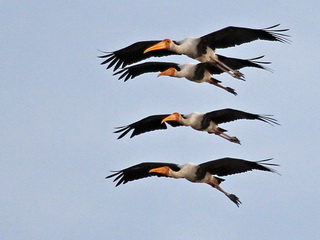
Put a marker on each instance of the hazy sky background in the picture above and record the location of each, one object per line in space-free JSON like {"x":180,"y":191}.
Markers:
{"x":59,"y":108}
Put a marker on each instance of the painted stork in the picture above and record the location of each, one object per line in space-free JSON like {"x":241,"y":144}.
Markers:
{"x":201,"y":49}
{"x":202,"y":122}
{"x":201,"y":72}
{"x":202,"y":173}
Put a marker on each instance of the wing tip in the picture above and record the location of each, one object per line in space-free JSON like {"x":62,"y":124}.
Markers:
{"x":265,"y":163}
{"x":268,"y":119}
{"x":124,"y":129}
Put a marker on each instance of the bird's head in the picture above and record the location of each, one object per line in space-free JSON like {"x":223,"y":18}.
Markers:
{"x":173,"y":117}
{"x":169,"y":72}
{"x":161,"y":170}
{"x":164,"y":44}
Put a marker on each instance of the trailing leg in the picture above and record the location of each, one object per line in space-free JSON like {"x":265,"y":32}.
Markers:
{"x":220,"y":132}
{"x":228,"y":89}
{"x":214,"y":183}
{"x":225,"y":68}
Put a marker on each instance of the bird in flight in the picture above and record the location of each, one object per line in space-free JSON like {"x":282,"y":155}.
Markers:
{"x":207,"y":122}
{"x":201,"y":48}
{"x":207,"y":172}
{"x":201,"y":72}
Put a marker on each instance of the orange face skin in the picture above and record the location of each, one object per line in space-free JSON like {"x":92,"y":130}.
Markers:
{"x":161,"y":170}
{"x":173,"y":117}
{"x":164,"y":44}
{"x":169,"y":72}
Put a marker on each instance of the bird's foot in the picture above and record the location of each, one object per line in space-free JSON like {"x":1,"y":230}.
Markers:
{"x":231,"y":90}
{"x":234,"y":139}
{"x":234,"y":199}
{"x":238,"y":75}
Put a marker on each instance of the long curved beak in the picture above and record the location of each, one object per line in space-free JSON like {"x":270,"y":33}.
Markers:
{"x":160,"y":170}
{"x":172,"y":117}
{"x":169,"y":72}
{"x":158,"y":46}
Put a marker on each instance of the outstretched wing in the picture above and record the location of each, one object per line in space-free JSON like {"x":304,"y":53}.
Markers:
{"x":138,"y":69}
{"x":232,"y":36}
{"x":236,"y":63}
{"x":147,"y":124}
{"x":227,"y":166}
{"x":140,"y":171}
{"x":228,"y":115}
{"x":132,"y":54}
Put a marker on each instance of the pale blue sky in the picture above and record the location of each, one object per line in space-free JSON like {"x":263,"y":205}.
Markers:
{"x":59,"y":108}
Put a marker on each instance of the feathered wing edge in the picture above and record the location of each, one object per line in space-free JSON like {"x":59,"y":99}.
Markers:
{"x":229,"y":115}
{"x":139,"y":171}
{"x":132,"y":53}
{"x":277,"y":33}
{"x":229,"y":166}
{"x":147,"y":124}
{"x":268,"y":119}
{"x":265,"y":162}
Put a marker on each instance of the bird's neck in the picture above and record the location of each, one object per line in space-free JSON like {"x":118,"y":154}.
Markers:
{"x":187,"y":47}
{"x":179,"y":74}
{"x":177,"y":48}
{"x":187,"y":171}
{"x":186,"y":71}
{"x":184,"y":121}
{"x":193,"y":120}
{"x":174,"y":174}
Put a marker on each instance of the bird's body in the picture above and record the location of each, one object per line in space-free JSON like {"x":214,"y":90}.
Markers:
{"x":195,"y":72}
{"x":197,"y":173}
{"x":201,"y":49}
{"x":207,"y":122}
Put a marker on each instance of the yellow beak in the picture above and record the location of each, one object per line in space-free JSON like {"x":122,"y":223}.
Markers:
{"x":158,"y":46}
{"x":169,"y":72}
{"x":172,"y":117}
{"x":161,"y":170}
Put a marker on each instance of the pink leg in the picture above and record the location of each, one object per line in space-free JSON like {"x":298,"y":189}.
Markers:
{"x":225,"y":68}
{"x":216,"y":83}
{"x":214,"y":183}
{"x":226,"y":136}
